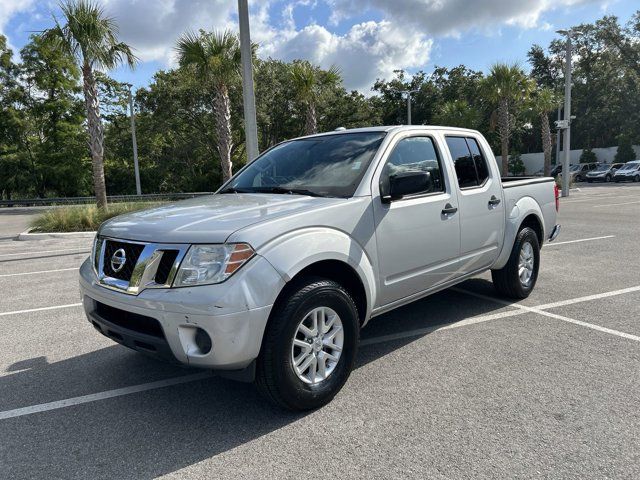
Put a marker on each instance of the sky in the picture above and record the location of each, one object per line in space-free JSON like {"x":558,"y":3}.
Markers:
{"x":366,"y":39}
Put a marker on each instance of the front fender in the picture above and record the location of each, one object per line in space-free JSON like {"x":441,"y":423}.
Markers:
{"x":521,"y":209}
{"x":291,"y":253}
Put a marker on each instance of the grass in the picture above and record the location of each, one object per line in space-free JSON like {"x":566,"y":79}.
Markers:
{"x":83,"y":218}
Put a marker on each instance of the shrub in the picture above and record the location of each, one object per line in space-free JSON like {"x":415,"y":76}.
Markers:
{"x":625,"y":152}
{"x":588,"y":156}
{"x":83,"y":218}
{"x":516,"y":165}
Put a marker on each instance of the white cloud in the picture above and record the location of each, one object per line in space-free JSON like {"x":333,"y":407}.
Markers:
{"x":367,"y":51}
{"x":451,"y":17}
{"x":9,"y":8}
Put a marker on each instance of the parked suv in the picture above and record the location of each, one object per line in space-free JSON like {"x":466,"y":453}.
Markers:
{"x":578,"y":173}
{"x":630,"y":171}
{"x":603,"y":172}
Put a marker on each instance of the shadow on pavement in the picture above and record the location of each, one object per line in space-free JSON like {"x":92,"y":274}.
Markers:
{"x":148,"y":434}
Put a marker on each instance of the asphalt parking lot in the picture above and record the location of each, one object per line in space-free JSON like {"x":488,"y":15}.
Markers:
{"x":459,"y":385}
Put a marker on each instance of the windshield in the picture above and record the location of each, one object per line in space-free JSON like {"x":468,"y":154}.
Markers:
{"x":602,"y":168}
{"x":328,"y":166}
{"x":575,"y":168}
{"x":629,"y":166}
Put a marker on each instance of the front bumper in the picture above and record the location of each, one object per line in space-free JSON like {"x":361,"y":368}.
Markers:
{"x":623,"y":178}
{"x":234,"y":314}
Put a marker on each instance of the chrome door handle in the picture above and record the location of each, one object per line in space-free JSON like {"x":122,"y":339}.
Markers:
{"x":449,"y":209}
{"x":494,"y":201}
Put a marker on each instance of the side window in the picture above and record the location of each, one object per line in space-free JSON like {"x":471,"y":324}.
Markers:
{"x":414,"y":154}
{"x":481,"y":163}
{"x":465,"y":166}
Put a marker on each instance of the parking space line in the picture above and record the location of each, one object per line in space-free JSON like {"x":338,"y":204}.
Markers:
{"x":445,"y":326}
{"x":592,"y":326}
{"x":94,"y":397}
{"x":615,"y":204}
{"x":588,"y":298}
{"x":41,"y":309}
{"x":551,"y":244}
{"x":41,"y":271}
{"x":44,"y":251}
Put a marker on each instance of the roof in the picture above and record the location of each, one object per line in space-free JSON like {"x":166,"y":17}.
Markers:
{"x":390,"y":128}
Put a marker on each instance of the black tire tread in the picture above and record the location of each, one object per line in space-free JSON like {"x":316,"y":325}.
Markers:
{"x":503,"y":278}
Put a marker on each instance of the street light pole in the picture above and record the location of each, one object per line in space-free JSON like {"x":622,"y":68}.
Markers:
{"x":567,"y":118}
{"x":248,"y":95}
{"x":558,"y":132}
{"x":135,"y":142}
{"x":408,"y":108}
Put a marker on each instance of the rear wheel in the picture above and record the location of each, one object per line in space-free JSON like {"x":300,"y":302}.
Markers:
{"x":607,"y":178}
{"x":518,"y":277}
{"x":310,"y":345}
{"x":636,"y":178}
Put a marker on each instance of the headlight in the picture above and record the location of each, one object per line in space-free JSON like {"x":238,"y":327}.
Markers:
{"x":207,"y":264}
{"x":95,"y":253}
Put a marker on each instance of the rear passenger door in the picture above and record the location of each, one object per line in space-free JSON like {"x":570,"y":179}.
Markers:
{"x":481,"y":207}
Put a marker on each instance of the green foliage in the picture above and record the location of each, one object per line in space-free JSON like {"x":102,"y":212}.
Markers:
{"x":588,"y":156}
{"x":516,"y":165}
{"x":457,"y":113}
{"x":625,"y":152}
{"x":83,"y":218}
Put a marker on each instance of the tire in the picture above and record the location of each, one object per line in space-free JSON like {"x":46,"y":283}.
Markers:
{"x":276,"y":377}
{"x":607,"y":178}
{"x":636,"y":178}
{"x":507,"y":280}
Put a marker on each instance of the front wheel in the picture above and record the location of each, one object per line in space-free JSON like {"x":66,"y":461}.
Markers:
{"x":636,"y":178}
{"x":518,"y":277}
{"x":310,"y":345}
{"x":607,"y":179}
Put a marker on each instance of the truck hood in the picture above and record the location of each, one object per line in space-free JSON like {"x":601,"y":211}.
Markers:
{"x":208,"y":219}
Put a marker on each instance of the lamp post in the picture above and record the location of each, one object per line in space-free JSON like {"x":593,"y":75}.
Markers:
{"x":248,"y":95}
{"x":566,"y":123}
{"x":134,"y":140}
{"x":408,"y":92}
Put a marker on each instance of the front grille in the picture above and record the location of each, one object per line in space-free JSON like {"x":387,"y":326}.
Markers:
{"x":132,"y":252}
{"x":131,"y":321}
{"x":165,"y":265}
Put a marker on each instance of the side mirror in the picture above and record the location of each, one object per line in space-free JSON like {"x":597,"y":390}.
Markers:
{"x":406,"y":183}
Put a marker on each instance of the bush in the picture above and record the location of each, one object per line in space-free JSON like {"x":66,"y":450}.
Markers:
{"x":516,"y":165}
{"x":83,"y":218}
{"x":625,"y":152}
{"x":588,"y":156}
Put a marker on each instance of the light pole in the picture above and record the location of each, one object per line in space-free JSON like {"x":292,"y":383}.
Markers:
{"x":408,"y":92}
{"x":566,"y":123}
{"x":248,"y":95}
{"x":135,"y":141}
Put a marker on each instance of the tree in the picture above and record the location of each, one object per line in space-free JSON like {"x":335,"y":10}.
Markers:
{"x":516,"y":165}
{"x":90,"y":36}
{"x":457,"y":113}
{"x":215,"y":56}
{"x":508,"y":88}
{"x":625,"y":152}
{"x":588,"y":156}
{"x":310,"y":83}
{"x":545,"y":102}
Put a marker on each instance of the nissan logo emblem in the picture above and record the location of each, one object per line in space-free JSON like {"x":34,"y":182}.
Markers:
{"x":118,"y":259}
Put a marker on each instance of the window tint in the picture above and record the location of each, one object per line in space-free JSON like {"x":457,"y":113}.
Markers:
{"x":414,"y":154}
{"x":481,"y":163}
{"x":465,"y":167}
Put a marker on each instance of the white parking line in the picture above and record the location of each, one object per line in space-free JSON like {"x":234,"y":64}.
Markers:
{"x":588,"y":298}
{"x":551,"y":244}
{"x":41,"y":271}
{"x":552,"y":315}
{"x":41,"y":309}
{"x":45,"y":251}
{"x":69,"y":402}
{"x":615,"y":204}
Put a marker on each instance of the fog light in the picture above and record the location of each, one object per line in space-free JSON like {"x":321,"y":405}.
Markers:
{"x":203,"y":341}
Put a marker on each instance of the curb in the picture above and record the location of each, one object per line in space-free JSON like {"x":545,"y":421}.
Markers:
{"x":27,"y":235}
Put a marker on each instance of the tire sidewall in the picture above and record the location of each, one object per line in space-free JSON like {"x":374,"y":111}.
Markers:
{"x":525,"y":235}
{"x":299,"y":393}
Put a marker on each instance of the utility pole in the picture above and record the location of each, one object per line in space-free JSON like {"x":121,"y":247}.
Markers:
{"x":135,"y":141}
{"x":558,"y":137}
{"x":248,"y":95}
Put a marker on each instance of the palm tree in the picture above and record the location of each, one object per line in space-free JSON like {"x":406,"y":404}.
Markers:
{"x":457,"y":113}
{"x":545,"y":101}
{"x":310,"y":83}
{"x":215,"y":56}
{"x":90,"y":37}
{"x":507,"y":87}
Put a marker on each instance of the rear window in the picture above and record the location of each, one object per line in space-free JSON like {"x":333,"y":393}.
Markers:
{"x":471,"y":166}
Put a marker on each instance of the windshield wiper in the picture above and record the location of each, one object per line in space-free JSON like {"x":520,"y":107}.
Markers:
{"x":289,"y":191}
{"x":236,"y":190}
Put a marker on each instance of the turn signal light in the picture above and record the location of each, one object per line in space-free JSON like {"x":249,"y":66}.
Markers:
{"x":241,"y":253}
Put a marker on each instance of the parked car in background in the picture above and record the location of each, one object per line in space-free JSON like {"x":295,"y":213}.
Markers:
{"x":556,"y":170}
{"x":603,"y":172}
{"x":630,"y":171}
{"x":578,"y":173}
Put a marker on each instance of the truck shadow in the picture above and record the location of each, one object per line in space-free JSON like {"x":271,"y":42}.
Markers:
{"x":156,"y":432}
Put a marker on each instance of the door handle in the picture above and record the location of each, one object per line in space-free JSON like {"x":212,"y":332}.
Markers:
{"x":449,"y":209}
{"x":494,"y":201}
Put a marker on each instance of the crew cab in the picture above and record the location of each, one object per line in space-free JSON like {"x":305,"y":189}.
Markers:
{"x":272,"y":278}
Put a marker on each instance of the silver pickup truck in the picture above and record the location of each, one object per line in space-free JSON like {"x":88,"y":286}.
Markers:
{"x":272,"y":278}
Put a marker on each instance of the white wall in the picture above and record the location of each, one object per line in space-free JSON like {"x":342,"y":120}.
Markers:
{"x":535,"y":161}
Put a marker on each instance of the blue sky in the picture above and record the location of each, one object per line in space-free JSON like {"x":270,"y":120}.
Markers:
{"x":367,"y":39}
